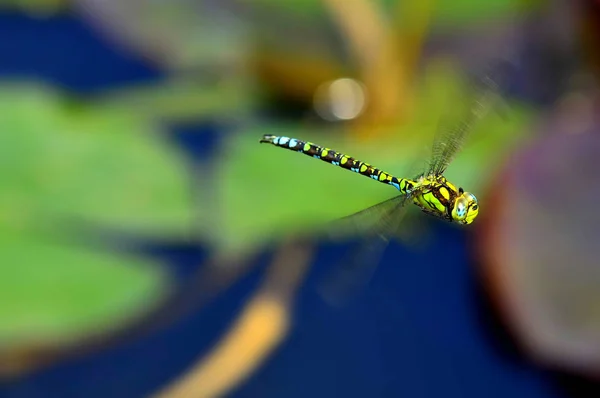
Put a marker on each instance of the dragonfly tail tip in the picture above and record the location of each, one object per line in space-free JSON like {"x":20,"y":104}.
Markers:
{"x":267,"y":138}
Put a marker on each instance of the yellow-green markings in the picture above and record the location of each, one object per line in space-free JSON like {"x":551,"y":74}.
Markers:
{"x":433,"y":194}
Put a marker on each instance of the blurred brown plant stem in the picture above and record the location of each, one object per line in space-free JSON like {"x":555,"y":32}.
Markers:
{"x":385,"y":55}
{"x":259,"y":329}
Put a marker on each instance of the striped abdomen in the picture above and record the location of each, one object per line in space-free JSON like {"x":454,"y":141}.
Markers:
{"x":339,"y":159}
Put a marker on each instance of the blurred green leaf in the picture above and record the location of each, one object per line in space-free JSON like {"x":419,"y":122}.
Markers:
{"x":267,"y":192}
{"x":54,"y":294}
{"x":36,"y":7}
{"x":64,"y":161}
{"x":104,"y":166}
{"x":183,"y":99}
{"x":461,"y":11}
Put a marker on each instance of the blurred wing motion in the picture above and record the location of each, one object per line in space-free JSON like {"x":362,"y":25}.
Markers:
{"x":372,"y":220}
{"x":355,"y":270}
{"x":449,"y":141}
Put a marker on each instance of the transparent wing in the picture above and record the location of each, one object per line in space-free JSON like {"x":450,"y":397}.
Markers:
{"x":449,"y":139}
{"x":354,"y":271}
{"x":367,"y":221}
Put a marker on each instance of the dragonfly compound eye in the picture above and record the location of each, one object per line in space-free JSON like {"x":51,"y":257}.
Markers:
{"x":466,"y":208}
{"x":460,"y":209}
{"x":472,"y":208}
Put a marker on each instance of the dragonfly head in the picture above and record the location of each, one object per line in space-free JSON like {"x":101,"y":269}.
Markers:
{"x":465,"y":207}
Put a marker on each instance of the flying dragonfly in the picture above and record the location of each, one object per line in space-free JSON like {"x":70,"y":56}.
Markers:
{"x":430,"y":190}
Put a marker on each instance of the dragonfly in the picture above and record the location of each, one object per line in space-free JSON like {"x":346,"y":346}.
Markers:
{"x":429,"y":190}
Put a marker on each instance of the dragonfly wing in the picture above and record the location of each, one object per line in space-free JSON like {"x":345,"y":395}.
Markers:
{"x":486,"y":95}
{"x":366,"y":221}
{"x":354,"y":271}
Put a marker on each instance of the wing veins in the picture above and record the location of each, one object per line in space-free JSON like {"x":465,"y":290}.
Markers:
{"x":448,"y":142}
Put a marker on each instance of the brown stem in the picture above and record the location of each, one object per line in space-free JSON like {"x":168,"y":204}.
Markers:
{"x":370,"y":40}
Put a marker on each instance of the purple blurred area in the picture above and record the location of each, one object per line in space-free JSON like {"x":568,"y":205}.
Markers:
{"x":542,"y":242}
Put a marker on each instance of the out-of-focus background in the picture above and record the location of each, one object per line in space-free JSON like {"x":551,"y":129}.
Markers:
{"x":149,"y":246}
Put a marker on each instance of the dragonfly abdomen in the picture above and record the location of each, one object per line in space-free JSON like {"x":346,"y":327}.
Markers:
{"x":340,"y":160}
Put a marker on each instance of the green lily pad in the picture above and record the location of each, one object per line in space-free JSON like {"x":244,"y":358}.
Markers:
{"x":62,"y":163}
{"x":103,"y":166}
{"x":53,"y":294}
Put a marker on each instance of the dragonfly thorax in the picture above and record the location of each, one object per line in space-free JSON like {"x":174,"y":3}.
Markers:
{"x":436,"y":196}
